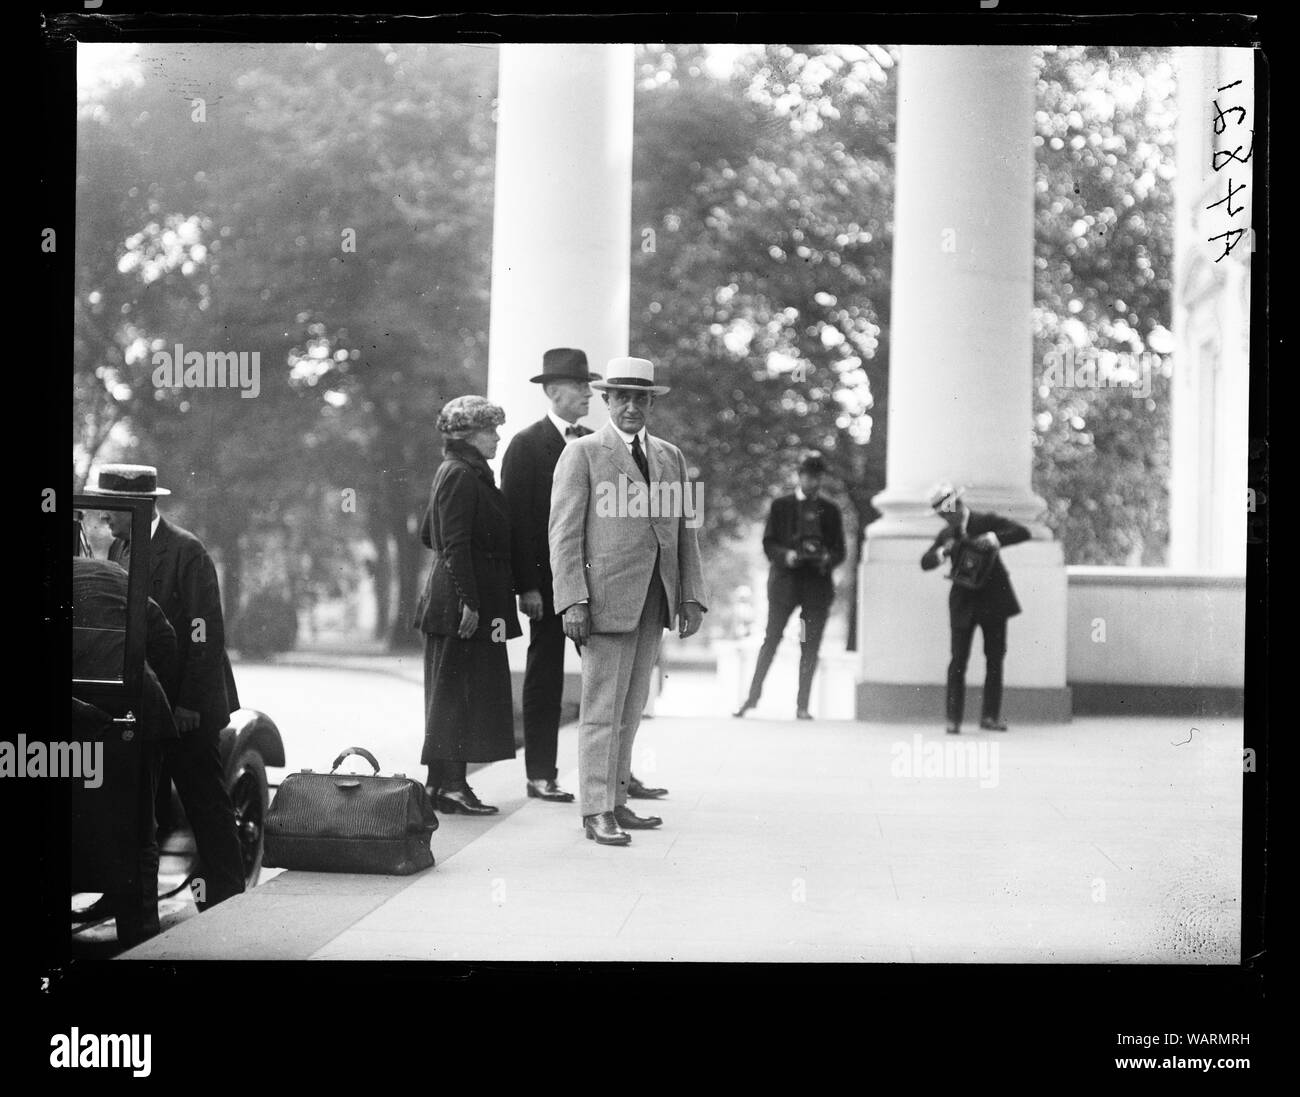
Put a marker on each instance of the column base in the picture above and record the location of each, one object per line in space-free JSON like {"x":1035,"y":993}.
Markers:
{"x":896,"y":702}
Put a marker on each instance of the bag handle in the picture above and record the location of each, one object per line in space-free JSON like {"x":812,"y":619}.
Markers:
{"x":360,"y":751}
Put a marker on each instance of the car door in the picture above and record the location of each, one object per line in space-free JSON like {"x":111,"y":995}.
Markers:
{"x":108,"y":641}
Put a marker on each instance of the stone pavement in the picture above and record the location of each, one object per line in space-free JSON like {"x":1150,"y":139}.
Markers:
{"x":1106,"y":840}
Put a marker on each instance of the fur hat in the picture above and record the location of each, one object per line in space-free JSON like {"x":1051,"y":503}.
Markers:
{"x":469,"y":413}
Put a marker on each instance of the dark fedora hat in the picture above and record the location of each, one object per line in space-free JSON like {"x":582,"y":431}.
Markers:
{"x":812,"y":461}
{"x":564,"y":364}
{"x":128,"y":480}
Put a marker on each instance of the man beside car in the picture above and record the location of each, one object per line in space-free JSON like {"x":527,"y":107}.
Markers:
{"x":202,"y":691}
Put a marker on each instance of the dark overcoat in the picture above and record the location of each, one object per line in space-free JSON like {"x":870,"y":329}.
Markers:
{"x":469,"y":714}
{"x":183,"y":581}
{"x":996,"y":598}
{"x":466,"y":524}
{"x":526,"y":474}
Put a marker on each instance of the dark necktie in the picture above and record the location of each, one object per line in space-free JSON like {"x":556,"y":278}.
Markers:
{"x":572,"y":432}
{"x":638,"y":455}
{"x":125,"y":558}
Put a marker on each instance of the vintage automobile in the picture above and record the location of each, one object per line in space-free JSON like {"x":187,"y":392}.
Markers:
{"x":104,"y":831}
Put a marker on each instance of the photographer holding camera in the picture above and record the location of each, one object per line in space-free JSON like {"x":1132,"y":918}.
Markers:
{"x":981,"y":596}
{"x":804,"y":539}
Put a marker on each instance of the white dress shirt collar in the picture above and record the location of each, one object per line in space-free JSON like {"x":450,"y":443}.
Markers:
{"x":560,"y":425}
{"x":153,"y":526}
{"x":627,"y":438}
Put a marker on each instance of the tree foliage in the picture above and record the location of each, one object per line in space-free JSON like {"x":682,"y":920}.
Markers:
{"x":766,"y":297}
{"x":331,"y":210}
{"x":1103,"y":270}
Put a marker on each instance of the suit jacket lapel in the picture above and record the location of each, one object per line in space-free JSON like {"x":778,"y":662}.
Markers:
{"x":552,"y":444}
{"x":655,"y":456}
{"x":160,"y":548}
{"x":622,"y":455}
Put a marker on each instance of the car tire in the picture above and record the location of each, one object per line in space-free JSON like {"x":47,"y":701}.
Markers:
{"x":250,"y":797}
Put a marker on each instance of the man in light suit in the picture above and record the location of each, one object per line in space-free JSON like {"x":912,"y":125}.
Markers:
{"x":625,"y":559}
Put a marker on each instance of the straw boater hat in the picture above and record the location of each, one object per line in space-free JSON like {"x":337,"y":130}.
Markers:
{"x":134,"y":480}
{"x":943,"y":497}
{"x":637,"y":374}
{"x":564,"y":364}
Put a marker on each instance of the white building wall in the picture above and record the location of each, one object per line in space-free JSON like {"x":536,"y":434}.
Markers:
{"x":1211,"y":319}
{"x":1156,"y":627}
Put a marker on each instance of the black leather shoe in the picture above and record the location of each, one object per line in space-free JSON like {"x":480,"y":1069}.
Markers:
{"x":803,"y":714}
{"x":625,"y":817}
{"x":463,"y":800}
{"x":638,"y":791}
{"x":954,"y":729}
{"x":542,"y":789}
{"x":743,"y":709}
{"x":605,"y":829}
{"x":990,"y":723}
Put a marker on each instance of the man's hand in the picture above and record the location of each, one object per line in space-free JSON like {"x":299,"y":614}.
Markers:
{"x":530,"y":604}
{"x":187,"y":719}
{"x":791,"y":558}
{"x":689,"y":619}
{"x":468,"y":622}
{"x":577,"y":623}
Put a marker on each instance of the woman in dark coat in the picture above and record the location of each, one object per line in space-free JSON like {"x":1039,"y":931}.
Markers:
{"x":467,"y":611}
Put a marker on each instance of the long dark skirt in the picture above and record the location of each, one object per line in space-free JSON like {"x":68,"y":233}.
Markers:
{"x":468,"y":716}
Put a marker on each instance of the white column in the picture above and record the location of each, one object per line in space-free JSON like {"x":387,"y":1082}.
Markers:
{"x":561,"y":247}
{"x":960,"y":396}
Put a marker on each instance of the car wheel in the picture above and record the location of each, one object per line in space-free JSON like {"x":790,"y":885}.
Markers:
{"x":249,"y":796}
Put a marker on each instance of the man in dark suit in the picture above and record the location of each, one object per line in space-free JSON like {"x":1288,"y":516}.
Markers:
{"x":981,"y":595}
{"x":99,"y":613}
{"x":526,"y":472}
{"x":202,"y":691}
{"x":804,"y":539}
